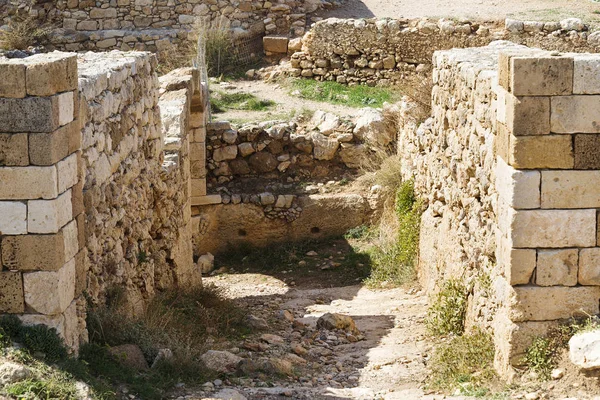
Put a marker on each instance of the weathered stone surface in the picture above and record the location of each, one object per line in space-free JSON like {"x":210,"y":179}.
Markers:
{"x":13,"y":149}
{"x":11,"y":292}
{"x":589,"y":266}
{"x":554,"y":228}
{"x":263,"y":162}
{"x":575,"y":114}
{"x":67,"y":171}
{"x":585,"y":74}
{"x":275,"y":44}
{"x":353,"y":155}
{"x":324,"y":147}
{"x":518,"y":189}
{"x":51,"y":73}
{"x":21,"y":183}
{"x":49,"y":148}
{"x":14,"y":218}
{"x":584,"y":350}
{"x":49,"y":216}
{"x":13,"y":79}
{"x":551,"y":303}
{"x":541,"y":76}
{"x":557,"y":267}
{"x":31,"y":114}
{"x":50,"y":292}
{"x":519,"y":264}
{"x":130,"y":355}
{"x":372,"y":127}
{"x":570,"y":189}
{"x":225,"y":153}
{"x":538,"y":152}
{"x":587,"y":151}
{"x":65,"y":324}
{"x":220,"y":361}
{"x":33,"y":252}
{"x":11,"y":373}
{"x":333,"y":321}
{"x":528,"y":115}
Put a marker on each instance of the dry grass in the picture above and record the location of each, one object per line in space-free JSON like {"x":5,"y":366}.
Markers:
{"x":418,"y":90}
{"x":22,"y":33}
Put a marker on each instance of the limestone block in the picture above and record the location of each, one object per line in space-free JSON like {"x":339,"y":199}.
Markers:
{"x":541,"y":76}
{"x":501,"y":99}
{"x":49,"y":216}
{"x":246,"y":149}
{"x":81,"y":270}
{"x":518,"y":264}
{"x":557,"y":267}
{"x":502,"y":142}
{"x":584,"y":350}
{"x":554,"y":228}
{"x":197,"y":122}
{"x":225,"y":153}
{"x":81,"y":238}
{"x":67,"y":173}
{"x":518,"y":189}
{"x":103,"y":13}
{"x":324,"y":147}
{"x":198,"y":152}
{"x":199,"y":135}
{"x":13,"y":218}
{"x":70,"y":240}
{"x":575,"y":114}
{"x":49,"y":148}
{"x":77,"y":198}
{"x":206,"y":200}
{"x":585,"y":74}
{"x":570,"y":189}
{"x":21,"y":183}
{"x":587,"y":151}
{"x":66,"y":107}
{"x":589,"y":266}
{"x":31,"y":114}
{"x":528,"y":115}
{"x":198,"y":187}
{"x":11,"y":292}
{"x":66,"y":324}
{"x":275,"y":44}
{"x":12,"y":83}
{"x":537,"y":152}
{"x":33,"y":252}
{"x":50,"y":292}
{"x":51,"y":73}
{"x":13,"y":149}
{"x":532,"y":303}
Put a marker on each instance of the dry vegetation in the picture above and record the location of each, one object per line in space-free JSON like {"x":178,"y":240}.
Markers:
{"x":23,"y":32}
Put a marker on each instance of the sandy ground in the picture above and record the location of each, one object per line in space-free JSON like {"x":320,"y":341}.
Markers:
{"x":547,"y":10}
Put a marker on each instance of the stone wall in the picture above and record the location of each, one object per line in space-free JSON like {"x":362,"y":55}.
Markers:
{"x":153,"y":24}
{"x":506,"y":165}
{"x":385,"y":51}
{"x":96,"y":186}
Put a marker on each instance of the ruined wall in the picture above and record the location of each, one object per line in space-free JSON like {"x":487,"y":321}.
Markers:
{"x":507,"y":166}
{"x":385,"y":51}
{"x":153,"y":24}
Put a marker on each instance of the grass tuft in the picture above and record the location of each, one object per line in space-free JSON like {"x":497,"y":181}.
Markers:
{"x":336,"y":93}
{"x":464,"y":363}
{"x":447,"y":313}
{"x":23,"y":32}
{"x":221,"y":102}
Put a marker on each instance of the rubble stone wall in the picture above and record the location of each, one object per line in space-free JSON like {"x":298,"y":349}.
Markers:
{"x":96,"y":187}
{"x":507,"y":164}
{"x":385,"y":51}
{"x":153,"y":24}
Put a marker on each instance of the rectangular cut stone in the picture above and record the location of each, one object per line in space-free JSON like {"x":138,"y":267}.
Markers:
{"x":585,"y":74}
{"x":14,"y":149}
{"x":50,"y":292}
{"x":505,"y":65}
{"x":23,"y":183}
{"x":13,"y":218}
{"x":67,"y":173}
{"x":206,"y":200}
{"x":11,"y":293}
{"x":537,"y":152}
{"x":66,"y":324}
{"x":198,"y":151}
{"x":275,"y":44}
{"x":571,"y":189}
{"x":557,"y":267}
{"x":502,"y":142}
{"x":49,"y":148}
{"x":51,"y":73}
{"x":30,"y":114}
{"x":501,"y":95}
{"x":49,"y":216}
{"x":199,"y":135}
{"x":518,"y":264}
{"x":77,"y":198}
{"x":12,"y":83}
{"x":554,"y":228}
{"x":33,"y":252}
{"x":71,"y":240}
{"x":197,"y":120}
{"x":541,"y":76}
{"x":589,"y":266}
{"x":66,"y":107}
{"x":587,"y":151}
{"x":533,"y":303}
{"x":518,"y":189}
{"x":575,"y":114}
{"x":198,"y":187}
{"x":528,"y":115}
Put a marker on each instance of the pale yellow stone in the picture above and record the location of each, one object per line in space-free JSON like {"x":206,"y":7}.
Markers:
{"x":539,"y":75}
{"x":49,"y":216}
{"x":518,"y":189}
{"x":575,"y":114}
{"x":554,"y":228}
{"x":13,"y":218}
{"x":23,"y":183}
{"x":50,"y":292}
{"x":206,"y":200}
{"x":537,"y":152}
{"x":533,"y":303}
{"x":557,"y":267}
{"x":589,"y":266}
{"x":570,"y":189}
{"x":67,"y":173}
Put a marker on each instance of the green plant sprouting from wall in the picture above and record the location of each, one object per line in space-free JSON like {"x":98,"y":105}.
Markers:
{"x":448,"y":310}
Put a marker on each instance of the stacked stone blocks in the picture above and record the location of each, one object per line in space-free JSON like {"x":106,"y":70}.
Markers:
{"x":42,"y":244}
{"x":547,"y":178}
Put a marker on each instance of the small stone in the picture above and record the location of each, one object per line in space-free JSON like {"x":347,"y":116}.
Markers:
{"x":220,"y":361}
{"x":257,"y":323}
{"x":333,"y":321}
{"x":557,"y":373}
{"x":12,"y":372}
{"x":130,"y":355}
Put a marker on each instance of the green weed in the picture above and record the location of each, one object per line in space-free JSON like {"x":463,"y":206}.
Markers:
{"x":336,"y":93}
{"x":221,"y":102}
{"x":360,"y":232}
{"x":446,"y":315}
{"x":465,"y":363}
{"x":36,"y":338}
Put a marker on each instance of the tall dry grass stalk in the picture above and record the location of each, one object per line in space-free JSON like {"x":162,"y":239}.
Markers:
{"x":23,"y":32}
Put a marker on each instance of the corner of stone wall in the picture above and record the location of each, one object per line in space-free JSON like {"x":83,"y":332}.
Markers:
{"x":547,"y":174}
{"x":42,"y":243}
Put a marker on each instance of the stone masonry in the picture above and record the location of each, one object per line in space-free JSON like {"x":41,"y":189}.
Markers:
{"x":42,"y":239}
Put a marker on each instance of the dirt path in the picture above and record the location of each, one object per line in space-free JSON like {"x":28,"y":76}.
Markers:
{"x":549,"y":10}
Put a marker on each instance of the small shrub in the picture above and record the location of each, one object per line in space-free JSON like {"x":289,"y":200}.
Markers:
{"x":465,"y":362}
{"x":217,"y":43}
{"x":221,"y":102}
{"x":23,"y":32}
{"x":36,"y":338}
{"x":446,"y":315}
{"x":48,"y":388}
{"x":359,"y":232}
